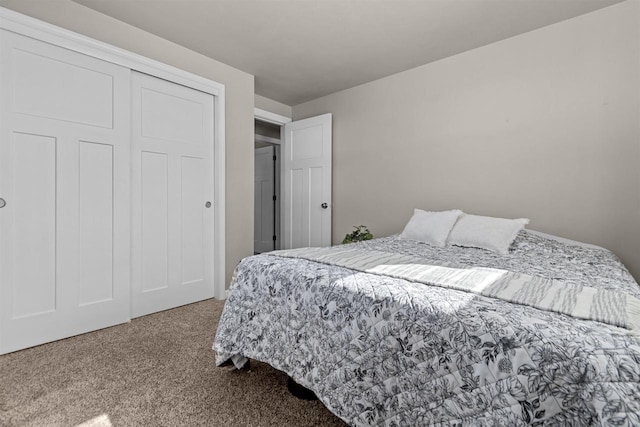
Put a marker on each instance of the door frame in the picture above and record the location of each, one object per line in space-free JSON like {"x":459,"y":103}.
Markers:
{"x":40,"y":30}
{"x":269,"y":117}
{"x":279,"y":120}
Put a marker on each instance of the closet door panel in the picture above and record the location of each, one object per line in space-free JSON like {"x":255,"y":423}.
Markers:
{"x":169,"y":114}
{"x":192,"y":220}
{"x":65,"y":174}
{"x":52,"y":84}
{"x":33,"y":208}
{"x":154,"y":221}
{"x":172,"y":136}
{"x":95,"y":214}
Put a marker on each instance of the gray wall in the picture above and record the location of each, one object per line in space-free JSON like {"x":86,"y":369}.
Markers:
{"x":239,"y":91}
{"x":544,"y":125}
{"x":272,"y":106}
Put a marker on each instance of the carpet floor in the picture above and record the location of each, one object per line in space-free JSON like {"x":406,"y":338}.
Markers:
{"x":157,"y":370}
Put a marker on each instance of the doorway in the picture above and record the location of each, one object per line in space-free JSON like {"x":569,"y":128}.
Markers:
{"x":266,"y":227}
{"x":303,"y":206}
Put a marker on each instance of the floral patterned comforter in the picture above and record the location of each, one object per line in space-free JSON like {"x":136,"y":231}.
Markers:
{"x":385,"y":351}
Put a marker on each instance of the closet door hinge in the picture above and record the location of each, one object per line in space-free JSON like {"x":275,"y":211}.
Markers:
{"x":274,"y":238}
{"x":274,"y":198}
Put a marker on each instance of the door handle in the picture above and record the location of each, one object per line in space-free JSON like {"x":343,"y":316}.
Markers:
{"x":2,"y":203}
{"x":324,"y":206}
{"x":207,"y":205}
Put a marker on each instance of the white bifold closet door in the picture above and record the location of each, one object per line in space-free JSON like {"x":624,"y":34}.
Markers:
{"x":65,"y":178}
{"x":172,"y":184}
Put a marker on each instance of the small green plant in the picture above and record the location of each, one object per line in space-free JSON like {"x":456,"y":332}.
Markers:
{"x":361,"y":233}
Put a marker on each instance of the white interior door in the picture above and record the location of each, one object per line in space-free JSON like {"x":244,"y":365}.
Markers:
{"x":263,"y":202}
{"x":307,"y":183}
{"x":173,"y":189}
{"x":65,"y":178}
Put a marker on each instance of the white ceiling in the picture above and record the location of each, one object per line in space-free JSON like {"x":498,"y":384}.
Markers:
{"x":300,"y":50}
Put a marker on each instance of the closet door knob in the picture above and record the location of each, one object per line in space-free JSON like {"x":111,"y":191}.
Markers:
{"x":324,"y":206}
{"x":2,"y":203}
{"x":207,"y":205}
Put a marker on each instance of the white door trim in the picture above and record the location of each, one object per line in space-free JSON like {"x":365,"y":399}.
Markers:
{"x":269,"y":117}
{"x":276,"y":119}
{"x":31,"y":27}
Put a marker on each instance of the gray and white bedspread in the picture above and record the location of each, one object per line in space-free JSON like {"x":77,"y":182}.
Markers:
{"x":381,"y":350}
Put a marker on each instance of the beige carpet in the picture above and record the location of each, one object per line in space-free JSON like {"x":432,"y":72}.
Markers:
{"x":157,"y":370}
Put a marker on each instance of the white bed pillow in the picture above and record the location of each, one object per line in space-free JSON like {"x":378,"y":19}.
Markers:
{"x":485,"y":232}
{"x":430,"y":227}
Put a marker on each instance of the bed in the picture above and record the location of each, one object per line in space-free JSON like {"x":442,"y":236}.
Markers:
{"x":397,"y":332}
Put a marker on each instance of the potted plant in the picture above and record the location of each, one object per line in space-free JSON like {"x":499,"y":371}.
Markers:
{"x":361,"y":233}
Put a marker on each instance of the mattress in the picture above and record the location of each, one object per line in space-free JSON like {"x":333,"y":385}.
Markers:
{"x":379,"y":349}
